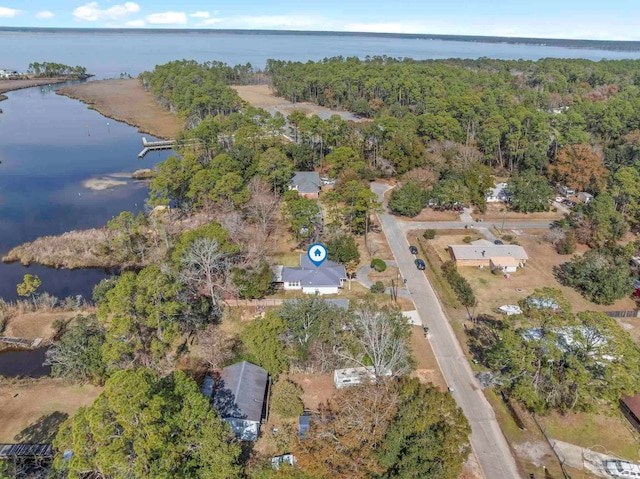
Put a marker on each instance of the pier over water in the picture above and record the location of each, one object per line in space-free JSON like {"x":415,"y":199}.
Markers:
{"x":148,"y":146}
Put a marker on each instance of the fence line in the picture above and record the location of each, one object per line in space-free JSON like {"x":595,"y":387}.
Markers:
{"x":258,"y":303}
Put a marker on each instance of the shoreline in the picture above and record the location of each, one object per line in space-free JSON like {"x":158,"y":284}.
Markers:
{"x":13,"y":85}
{"x":126,"y":101}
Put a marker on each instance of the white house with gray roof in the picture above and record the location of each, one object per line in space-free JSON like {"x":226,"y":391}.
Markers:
{"x":240,"y":397}
{"x":306,"y":183}
{"x":328,"y":278}
{"x":504,"y":257}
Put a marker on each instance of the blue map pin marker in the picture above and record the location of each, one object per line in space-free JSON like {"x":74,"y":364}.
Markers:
{"x":317,"y":253}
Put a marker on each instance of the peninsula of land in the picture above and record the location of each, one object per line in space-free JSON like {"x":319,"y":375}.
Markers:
{"x":127,"y":101}
{"x":10,"y":85}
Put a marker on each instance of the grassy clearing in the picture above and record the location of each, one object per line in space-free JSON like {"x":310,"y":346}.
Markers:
{"x":602,"y":433}
{"x":32,"y":410}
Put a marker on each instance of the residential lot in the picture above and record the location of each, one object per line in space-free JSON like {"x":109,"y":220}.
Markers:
{"x":32,"y":410}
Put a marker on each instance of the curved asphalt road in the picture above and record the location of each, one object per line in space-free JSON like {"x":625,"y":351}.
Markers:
{"x":487,"y":440}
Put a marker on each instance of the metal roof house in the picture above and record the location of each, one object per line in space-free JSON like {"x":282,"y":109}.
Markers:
{"x":241,"y":398}
{"x":506,"y":258}
{"x":327,"y":278}
{"x":630,"y":407}
{"x":306,"y":183}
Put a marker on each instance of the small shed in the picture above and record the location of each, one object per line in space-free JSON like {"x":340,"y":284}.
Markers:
{"x":207,"y":387}
{"x":304,"y":424}
{"x":585,"y":197}
{"x":241,"y":398}
{"x":630,"y":407}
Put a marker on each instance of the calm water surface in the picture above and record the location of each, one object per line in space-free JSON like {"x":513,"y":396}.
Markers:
{"x":109,"y":53}
{"x":50,"y":144}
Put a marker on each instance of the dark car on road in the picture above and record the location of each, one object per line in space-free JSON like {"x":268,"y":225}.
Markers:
{"x":413,"y":250}
{"x":420,"y":264}
{"x":498,"y":242}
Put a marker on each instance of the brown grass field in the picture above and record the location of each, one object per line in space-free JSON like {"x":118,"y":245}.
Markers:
{"x":127,"y":101}
{"x":31,"y":410}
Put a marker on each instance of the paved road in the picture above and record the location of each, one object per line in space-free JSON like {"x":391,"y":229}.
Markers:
{"x":487,"y":440}
{"x":453,"y":225}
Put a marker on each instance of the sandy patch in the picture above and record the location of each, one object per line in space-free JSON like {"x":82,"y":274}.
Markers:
{"x":103,"y":183}
{"x":31,"y":411}
{"x":318,"y":388}
{"x":127,"y":101}
{"x":259,"y":95}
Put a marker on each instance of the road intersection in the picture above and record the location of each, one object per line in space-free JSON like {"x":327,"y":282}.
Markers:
{"x":488,"y":442}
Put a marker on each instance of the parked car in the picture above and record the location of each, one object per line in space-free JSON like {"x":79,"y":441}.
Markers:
{"x":498,"y":242}
{"x":420,"y":264}
{"x":413,"y":250}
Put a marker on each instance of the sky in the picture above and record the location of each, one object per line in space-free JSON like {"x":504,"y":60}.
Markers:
{"x":581,"y":19}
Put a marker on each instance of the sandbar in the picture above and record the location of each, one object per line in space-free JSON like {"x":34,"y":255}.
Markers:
{"x":99,"y":184}
{"x":127,"y":101}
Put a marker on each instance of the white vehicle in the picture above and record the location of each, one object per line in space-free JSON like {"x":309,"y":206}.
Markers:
{"x":622,"y":469}
{"x":510,"y":309}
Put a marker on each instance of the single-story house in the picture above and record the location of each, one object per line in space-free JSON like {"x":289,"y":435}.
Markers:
{"x":327,"y":278}
{"x":343,"y":378}
{"x":240,"y":397}
{"x":498,"y":194}
{"x":484,"y":253}
{"x":630,"y":407}
{"x":306,"y":183}
{"x":585,"y":197}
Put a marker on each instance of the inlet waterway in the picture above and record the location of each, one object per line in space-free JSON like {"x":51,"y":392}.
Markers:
{"x":49,"y":145}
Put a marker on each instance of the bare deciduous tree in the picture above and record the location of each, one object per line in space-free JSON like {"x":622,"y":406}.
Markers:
{"x":381,"y":337}
{"x":215,"y":346}
{"x":263,"y":207}
{"x":206,"y":269}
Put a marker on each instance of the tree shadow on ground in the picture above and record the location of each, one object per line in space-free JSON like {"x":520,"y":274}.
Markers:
{"x":43,"y":430}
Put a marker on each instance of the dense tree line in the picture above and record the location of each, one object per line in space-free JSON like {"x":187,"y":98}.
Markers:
{"x":194,"y":89}
{"x":552,"y":359}
{"x":517,"y":112}
{"x":51,"y":69}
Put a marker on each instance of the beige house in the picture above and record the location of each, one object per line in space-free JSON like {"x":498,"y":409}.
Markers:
{"x":483,"y":253}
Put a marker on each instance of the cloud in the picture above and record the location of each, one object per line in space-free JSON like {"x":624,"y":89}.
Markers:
{"x":167,"y":18}
{"x":90,"y":12}
{"x":135,"y":24}
{"x":8,"y":12}
{"x":200,"y":15}
{"x":211,"y":21}
{"x":44,"y":14}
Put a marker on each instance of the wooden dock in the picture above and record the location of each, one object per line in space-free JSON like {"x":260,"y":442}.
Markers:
{"x":148,"y":146}
{"x":25,"y":450}
{"x":24,"y":343}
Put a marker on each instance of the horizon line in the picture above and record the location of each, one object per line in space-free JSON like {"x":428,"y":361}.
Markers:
{"x":434,"y":36}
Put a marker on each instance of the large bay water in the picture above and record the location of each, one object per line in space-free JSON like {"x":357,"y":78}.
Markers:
{"x":109,"y":53}
{"x":50,"y":144}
